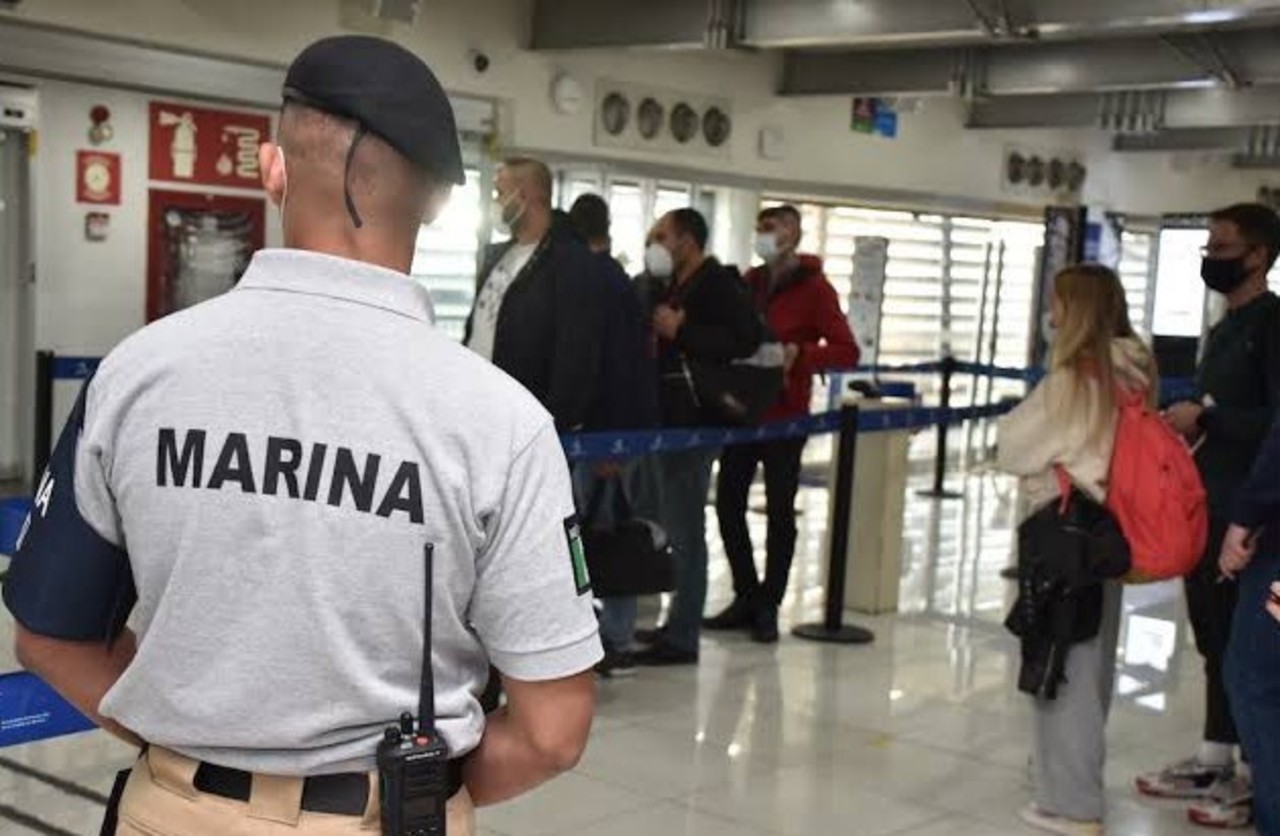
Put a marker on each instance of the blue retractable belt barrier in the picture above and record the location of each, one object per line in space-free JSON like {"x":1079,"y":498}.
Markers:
{"x":31,"y":710}
{"x":13,"y":513}
{"x":74,"y":368}
{"x":595,"y":446}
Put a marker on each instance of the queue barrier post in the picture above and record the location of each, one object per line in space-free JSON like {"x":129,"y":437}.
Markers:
{"x":832,"y":628}
{"x":42,"y":435}
{"x":939,"y":491}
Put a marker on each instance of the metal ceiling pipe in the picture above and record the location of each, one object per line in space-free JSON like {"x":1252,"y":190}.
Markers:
{"x":779,"y":24}
{"x":1207,"y":108}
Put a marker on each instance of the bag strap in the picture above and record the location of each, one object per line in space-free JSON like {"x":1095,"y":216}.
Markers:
{"x":622,"y":510}
{"x":1064,"y":487}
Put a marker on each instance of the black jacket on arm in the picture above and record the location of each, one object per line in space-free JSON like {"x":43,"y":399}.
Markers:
{"x":550,"y":328}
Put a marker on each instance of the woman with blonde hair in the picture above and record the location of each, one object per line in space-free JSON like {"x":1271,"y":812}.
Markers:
{"x":1068,"y":423}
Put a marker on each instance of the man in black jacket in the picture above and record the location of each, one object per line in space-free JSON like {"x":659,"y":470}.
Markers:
{"x":704,"y":314}
{"x":1239,"y":382}
{"x":537,"y":310}
{"x":627,"y":400}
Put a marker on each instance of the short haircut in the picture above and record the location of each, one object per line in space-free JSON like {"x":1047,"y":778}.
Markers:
{"x":534,"y":171}
{"x":590,"y":217}
{"x":690,"y":222}
{"x":785,"y":212}
{"x":1259,"y":225}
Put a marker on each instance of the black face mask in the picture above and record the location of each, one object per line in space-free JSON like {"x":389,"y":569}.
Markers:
{"x":1223,"y":274}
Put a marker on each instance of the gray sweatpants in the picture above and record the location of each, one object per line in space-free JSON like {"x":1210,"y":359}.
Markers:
{"x":1070,"y":733}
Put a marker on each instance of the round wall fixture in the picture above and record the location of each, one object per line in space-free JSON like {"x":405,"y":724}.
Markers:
{"x":567,"y":94}
{"x":1076,"y":175}
{"x":716,"y":127}
{"x":684,"y":123}
{"x":1015,"y":168}
{"x":1036,"y":171}
{"x":615,"y":113}
{"x":1057,"y":173}
{"x":649,"y":118}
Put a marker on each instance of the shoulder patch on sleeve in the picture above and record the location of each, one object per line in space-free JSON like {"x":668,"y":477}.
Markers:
{"x":577,"y":554}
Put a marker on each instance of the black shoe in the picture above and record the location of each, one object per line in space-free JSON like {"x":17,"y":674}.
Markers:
{"x":649,"y":636}
{"x":663,"y":655}
{"x":624,"y":664}
{"x":740,"y":615}
{"x":616,"y":663}
{"x":1009,"y":573}
{"x":764,"y":628}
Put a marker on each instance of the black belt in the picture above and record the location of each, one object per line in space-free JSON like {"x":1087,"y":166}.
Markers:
{"x":343,"y":794}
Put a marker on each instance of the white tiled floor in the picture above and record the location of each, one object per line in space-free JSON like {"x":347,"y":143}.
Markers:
{"x":919,"y":734}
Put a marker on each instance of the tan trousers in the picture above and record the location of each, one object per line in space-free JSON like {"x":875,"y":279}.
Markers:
{"x":161,"y":800}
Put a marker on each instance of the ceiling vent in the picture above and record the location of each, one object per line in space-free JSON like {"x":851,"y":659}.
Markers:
{"x":1032,"y":172}
{"x":396,"y":11}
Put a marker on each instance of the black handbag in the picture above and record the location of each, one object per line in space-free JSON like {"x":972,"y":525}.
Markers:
{"x":737,"y":393}
{"x":630,"y":557}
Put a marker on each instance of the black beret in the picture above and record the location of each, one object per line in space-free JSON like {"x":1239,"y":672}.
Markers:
{"x":388,"y":90}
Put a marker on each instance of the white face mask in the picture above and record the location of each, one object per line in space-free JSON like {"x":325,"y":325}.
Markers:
{"x":505,"y":226}
{"x":658,"y":261}
{"x":1047,"y":329}
{"x":766,"y":246}
{"x":284,"y":196}
{"x":500,"y":225}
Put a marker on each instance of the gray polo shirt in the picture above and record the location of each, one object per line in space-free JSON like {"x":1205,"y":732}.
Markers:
{"x":273,"y":462}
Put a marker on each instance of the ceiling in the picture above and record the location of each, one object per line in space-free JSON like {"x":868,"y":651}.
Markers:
{"x":1162,"y":75}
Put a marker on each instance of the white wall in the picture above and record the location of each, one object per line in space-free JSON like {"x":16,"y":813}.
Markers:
{"x":91,"y":294}
{"x":934,"y":156}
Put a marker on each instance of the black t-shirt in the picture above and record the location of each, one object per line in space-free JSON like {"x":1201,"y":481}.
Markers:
{"x":1240,"y":372}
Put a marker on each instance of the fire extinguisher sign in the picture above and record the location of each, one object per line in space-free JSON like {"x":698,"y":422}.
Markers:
{"x":206,"y":147}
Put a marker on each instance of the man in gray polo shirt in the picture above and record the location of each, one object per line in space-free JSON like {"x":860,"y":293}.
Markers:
{"x":225,"y":560}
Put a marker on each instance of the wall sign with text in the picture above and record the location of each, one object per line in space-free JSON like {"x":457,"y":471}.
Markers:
{"x":206,"y":147}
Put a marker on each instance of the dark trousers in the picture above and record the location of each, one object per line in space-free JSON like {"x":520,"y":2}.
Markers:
{"x":781,"y":461}
{"x":1211,"y":606}
{"x":686,"y":478}
{"x":1253,"y":680}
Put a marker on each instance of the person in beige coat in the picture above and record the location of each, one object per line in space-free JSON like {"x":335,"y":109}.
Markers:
{"x":1069,"y":420}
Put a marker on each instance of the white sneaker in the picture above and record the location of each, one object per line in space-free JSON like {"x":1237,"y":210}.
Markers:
{"x":1187,"y":779}
{"x":1228,"y":807}
{"x":1033,"y":816}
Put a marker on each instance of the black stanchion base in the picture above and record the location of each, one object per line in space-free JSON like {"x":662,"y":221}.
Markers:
{"x":932,"y":494}
{"x":845,"y":634}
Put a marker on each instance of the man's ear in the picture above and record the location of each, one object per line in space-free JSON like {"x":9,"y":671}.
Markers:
{"x":271,"y":164}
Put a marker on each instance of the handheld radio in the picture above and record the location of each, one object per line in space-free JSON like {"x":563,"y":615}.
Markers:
{"x":413,"y":763}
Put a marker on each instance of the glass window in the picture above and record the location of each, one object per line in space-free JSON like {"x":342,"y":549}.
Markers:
{"x":445,"y":259}
{"x":1180,"y":295}
{"x":669,"y":198}
{"x":629,"y":223}
{"x":575,"y":186}
{"x":957,"y":283}
{"x":1136,"y":251}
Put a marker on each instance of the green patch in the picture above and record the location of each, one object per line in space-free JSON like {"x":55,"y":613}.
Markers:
{"x":577,"y":555}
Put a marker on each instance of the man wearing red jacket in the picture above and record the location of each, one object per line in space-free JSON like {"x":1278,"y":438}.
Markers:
{"x":804,"y":314}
